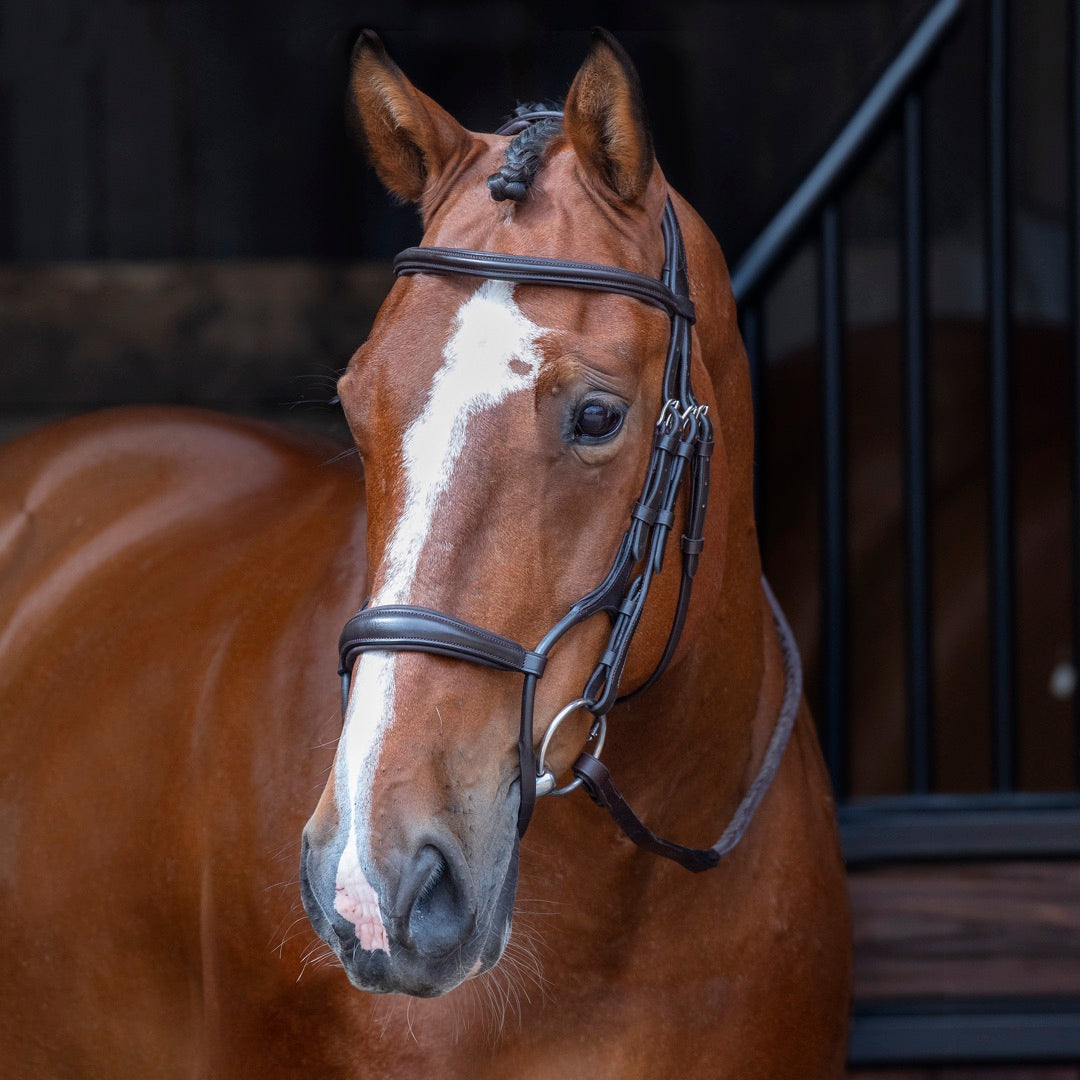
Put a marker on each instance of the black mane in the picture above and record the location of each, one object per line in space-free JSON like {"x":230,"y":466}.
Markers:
{"x":524,"y":155}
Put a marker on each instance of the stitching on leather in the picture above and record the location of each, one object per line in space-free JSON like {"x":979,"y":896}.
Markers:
{"x":447,"y":620}
{"x":545,"y":271}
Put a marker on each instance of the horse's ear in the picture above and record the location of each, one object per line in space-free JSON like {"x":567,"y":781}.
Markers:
{"x":605,"y":120}
{"x":410,"y":140}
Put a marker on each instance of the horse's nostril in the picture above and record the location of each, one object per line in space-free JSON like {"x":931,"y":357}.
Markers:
{"x":436,"y":902}
{"x":436,"y":912}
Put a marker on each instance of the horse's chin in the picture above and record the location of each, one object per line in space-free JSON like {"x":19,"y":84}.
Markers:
{"x":405,"y":970}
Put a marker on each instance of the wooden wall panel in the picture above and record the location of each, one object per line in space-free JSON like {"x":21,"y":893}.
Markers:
{"x":969,"y":930}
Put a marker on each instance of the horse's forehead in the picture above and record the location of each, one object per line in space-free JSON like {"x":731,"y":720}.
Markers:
{"x":560,"y":217}
{"x":491,"y":353}
{"x":482,"y":346}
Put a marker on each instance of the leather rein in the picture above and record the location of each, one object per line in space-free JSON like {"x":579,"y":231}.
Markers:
{"x":681,"y":448}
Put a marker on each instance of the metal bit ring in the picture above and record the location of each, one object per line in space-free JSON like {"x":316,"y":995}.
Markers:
{"x":545,"y":778}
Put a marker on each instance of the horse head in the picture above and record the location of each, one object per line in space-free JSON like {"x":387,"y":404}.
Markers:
{"x":505,"y":428}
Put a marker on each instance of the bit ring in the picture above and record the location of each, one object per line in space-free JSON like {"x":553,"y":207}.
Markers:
{"x":545,"y":778}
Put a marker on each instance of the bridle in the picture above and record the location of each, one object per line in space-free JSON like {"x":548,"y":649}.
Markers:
{"x":682,"y":445}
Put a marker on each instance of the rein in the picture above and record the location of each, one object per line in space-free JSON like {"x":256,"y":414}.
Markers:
{"x":681,"y":450}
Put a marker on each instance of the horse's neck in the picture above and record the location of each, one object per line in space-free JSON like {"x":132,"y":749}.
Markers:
{"x":694,"y":742}
{"x":709,"y":719}
{"x":684,"y":752}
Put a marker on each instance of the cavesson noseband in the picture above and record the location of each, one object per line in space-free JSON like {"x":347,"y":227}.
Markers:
{"x":681,"y":448}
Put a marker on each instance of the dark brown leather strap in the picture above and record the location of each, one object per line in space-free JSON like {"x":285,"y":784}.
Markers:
{"x":599,"y":786}
{"x":521,"y":120}
{"x":683,"y":441}
{"x":537,"y":271}
{"x":407,"y":628}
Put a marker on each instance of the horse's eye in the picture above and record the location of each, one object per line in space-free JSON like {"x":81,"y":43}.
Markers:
{"x":597,"y":421}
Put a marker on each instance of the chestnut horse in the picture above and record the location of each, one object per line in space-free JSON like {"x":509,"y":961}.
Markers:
{"x":172,"y":585}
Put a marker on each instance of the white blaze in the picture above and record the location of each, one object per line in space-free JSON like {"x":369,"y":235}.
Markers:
{"x":489,"y":333}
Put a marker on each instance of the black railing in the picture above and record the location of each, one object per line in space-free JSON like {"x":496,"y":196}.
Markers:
{"x":815,"y":206}
{"x":766,"y":256}
{"x":925,"y":824}
{"x":917,"y":583}
{"x":896,"y":105}
{"x":1002,"y":548}
{"x":1073,"y":294}
{"x":834,"y":644}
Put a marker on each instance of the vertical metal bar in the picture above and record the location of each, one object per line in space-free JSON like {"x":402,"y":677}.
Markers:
{"x":753,"y":334}
{"x":834,"y":635}
{"x":92,"y":202}
{"x":916,"y":455}
{"x":1073,"y":150}
{"x":8,"y":206}
{"x":1002,"y":597}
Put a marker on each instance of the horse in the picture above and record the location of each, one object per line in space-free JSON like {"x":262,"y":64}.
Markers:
{"x":173,"y":582}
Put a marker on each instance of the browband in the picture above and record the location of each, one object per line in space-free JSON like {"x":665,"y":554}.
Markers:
{"x":536,"y":271}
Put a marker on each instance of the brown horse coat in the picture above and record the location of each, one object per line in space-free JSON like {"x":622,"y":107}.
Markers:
{"x":171,"y":588}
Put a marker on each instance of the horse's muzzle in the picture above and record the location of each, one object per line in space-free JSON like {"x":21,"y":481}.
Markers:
{"x":433,"y":928}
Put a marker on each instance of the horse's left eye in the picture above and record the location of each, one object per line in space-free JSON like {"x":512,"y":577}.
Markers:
{"x":597,"y":421}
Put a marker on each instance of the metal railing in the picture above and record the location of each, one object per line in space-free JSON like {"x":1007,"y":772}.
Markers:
{"x":896,"y":104}
{"x":923,"y":824}
{"x":814,"y":207}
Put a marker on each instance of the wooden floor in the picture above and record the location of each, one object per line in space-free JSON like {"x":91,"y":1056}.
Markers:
{"x":1046,"y":1072}
{"x":968,"y":930}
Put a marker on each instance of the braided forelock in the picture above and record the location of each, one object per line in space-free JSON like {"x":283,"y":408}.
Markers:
{"x":524,"y":155}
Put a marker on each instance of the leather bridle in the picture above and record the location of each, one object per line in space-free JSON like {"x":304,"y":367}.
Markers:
{"x":679,"y":460}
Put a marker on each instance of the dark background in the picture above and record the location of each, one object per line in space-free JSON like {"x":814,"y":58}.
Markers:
{"x":184,"y":218}
{"x":138,"y":130}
